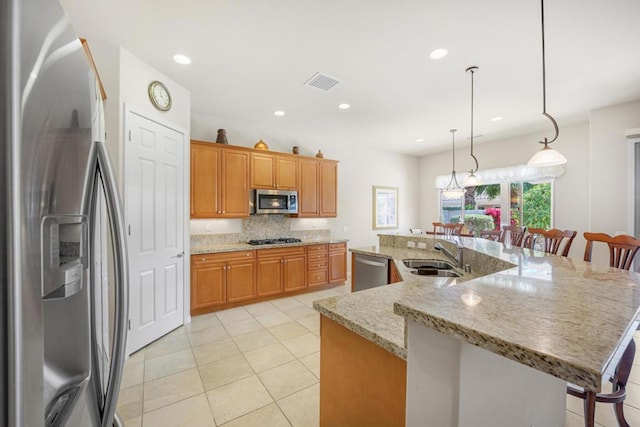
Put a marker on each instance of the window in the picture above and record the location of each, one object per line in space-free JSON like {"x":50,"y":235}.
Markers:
{"x":525,"y":193}
{"x":481,"y":207}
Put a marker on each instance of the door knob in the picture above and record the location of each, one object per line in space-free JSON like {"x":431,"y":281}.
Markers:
{"x":181,"y":254}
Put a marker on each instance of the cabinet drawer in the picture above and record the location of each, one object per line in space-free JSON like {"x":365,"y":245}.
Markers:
{"x":317,"y":264}
{"x":318,"y":277}
{"x":318,"y":256}
{"x":222,"y":256}
{"x":276,"y":252}
{"x":316,"y":248}
{"x":337,"y":247}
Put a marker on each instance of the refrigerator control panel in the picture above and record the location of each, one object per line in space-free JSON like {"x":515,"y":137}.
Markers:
{"x":64,"y":255}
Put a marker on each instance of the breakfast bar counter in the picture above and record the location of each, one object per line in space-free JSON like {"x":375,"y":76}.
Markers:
{"x":562,"y":317}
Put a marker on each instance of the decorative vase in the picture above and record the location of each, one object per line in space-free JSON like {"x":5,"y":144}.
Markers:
{"x":319,"y":154}
{"x":222,"y":137}
{"x":296,"y":149}
{"x":261,"y":145}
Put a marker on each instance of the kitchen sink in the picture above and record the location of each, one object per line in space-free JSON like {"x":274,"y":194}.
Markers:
{"x":428,"y":263}
{"x":435,"y":272}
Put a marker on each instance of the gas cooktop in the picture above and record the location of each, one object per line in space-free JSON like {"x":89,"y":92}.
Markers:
{"x":274,"y":241}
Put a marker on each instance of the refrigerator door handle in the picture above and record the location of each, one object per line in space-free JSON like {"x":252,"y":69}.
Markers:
{"x":121,"y":267}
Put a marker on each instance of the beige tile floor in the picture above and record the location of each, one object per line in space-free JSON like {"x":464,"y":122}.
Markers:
{"x":257,"y":365}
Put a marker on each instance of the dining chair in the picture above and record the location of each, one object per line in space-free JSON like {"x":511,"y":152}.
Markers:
{"x":415,"y":230}
{"x":495,"y":235}
{"x":452,"y":229}
{"x":514,"y":234}
{"x":553,"y":240}
{"x":622,"y":248}
{"x":618,"y":394}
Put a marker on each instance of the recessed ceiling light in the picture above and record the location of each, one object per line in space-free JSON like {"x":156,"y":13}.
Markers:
{"x":279,"y":113}
{"x":438,"y":53}
{"x":344,"y":106}
{"x":420,"y":140}
{"x":496,"y":119}
{"x":182,"y":59}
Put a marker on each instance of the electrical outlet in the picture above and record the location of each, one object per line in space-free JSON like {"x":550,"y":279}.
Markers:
{"x":209,"y":226}
{"x":411,"y":244}
{"x":345,"y":228}
{"x":422,"y":245}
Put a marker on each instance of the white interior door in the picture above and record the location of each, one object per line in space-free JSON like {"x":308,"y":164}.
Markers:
{"x":154,"y":203}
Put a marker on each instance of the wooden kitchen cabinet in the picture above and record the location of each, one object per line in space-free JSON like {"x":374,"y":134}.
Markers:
{"x":273,"y":171}
{"x":337,"y":262}
{"x":222,"y":278}
{"x":317,"y":187}
{"x":219,"y":181}
{"x":281,"y":270}
{"x":317,"y":265}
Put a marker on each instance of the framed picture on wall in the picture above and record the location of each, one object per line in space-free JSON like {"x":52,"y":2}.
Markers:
{"x":385,"y":207}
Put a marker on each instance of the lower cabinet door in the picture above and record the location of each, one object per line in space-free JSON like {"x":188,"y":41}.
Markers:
{"x":337,"y":267}
{"x":295,"y":273}
{"x":208,"y":285}
{"x":241,"y":281}
{"x":318,"y":277}
{"x":269,"y":277}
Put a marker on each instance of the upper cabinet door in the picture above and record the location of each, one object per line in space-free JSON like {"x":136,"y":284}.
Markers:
{"x":205,"y":175}
{"x":308,"y":200}
{"x":262,"y":170}
{"x":286,"y":173}
{"x":234,"y":191}
{"x":328,"y":189}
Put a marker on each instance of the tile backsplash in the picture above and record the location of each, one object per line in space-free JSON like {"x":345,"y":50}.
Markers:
{"x":220,"y":232}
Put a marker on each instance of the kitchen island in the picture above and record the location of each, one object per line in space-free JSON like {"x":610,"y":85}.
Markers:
{"x":539,"y":319}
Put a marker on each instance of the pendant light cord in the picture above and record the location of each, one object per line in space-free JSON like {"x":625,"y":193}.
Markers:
{"x":453,"y":166}
{"x":473,"y":70}
{"x":544,"y":86}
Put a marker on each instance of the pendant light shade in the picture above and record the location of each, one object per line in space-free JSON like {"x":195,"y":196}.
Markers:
{"x":472,"y":180}
{"x":453,"y":190}
{"x":547,"y":156}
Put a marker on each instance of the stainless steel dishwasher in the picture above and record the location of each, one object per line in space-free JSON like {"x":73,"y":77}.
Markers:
{"x":370,"y":272}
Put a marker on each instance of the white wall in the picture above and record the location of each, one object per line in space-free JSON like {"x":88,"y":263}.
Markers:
{"x":609,"y":167}
{"x":358,"y":171}
{"x":571,"y":191}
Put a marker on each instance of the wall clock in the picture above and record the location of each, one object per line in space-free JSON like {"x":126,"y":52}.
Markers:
{"x":159,"y":96}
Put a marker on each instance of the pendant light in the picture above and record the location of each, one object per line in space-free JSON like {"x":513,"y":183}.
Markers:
{"x":453,"y":190}
{"x":547,"y":156}
{"x":472,"y":180}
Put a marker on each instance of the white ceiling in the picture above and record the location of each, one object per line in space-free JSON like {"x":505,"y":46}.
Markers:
{"x":252,"y":57}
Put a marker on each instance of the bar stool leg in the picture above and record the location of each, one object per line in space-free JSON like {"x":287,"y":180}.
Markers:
{"x":589,"y":409}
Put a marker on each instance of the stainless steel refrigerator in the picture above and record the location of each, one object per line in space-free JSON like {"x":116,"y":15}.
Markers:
{"x":63,"y":269}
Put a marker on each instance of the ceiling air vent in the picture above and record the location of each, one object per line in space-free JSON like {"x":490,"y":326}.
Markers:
{"x":322,"y":81}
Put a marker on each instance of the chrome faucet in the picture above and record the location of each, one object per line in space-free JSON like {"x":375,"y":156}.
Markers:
{"x":457,"y":258}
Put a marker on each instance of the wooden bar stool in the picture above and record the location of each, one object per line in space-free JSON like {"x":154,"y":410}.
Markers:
{"x":552,"y":240}
{"x":514,"y":234}
{"x":438,"y":228}
{"x":495,"y":235}
{"x":622,"y":248}
{"x":452,"y":229}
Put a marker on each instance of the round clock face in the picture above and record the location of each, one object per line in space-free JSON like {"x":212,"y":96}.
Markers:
{"x":159,"y":96}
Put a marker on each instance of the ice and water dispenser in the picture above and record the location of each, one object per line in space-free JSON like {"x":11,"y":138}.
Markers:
{"x":64,"y":255}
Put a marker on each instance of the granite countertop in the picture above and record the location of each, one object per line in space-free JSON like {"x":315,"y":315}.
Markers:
{"x":562,"y":316}
{"x":234,"y":247}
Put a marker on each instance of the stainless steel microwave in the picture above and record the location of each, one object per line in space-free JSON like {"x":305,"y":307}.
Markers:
{"x":274,"y":202}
